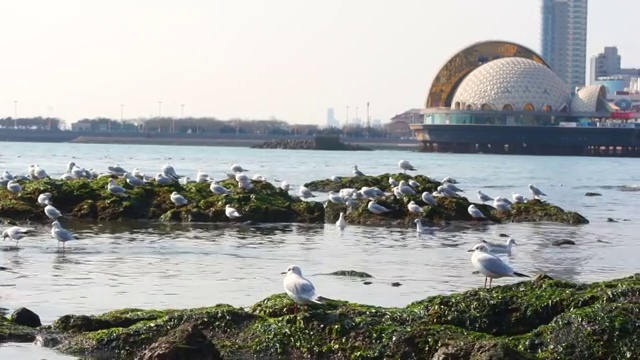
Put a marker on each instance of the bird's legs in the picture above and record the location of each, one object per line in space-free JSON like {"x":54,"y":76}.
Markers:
{"x":490,"y":281}
{"x":485,"y":282}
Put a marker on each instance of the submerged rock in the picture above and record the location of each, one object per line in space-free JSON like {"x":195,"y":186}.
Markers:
{"x":25,"y":317}
{"x":351,"y":273}
{"x":539,"y":319}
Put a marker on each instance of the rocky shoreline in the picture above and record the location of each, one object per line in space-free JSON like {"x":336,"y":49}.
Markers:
{"x":538,"y":319}
{"x":263,"y":203}
{"x":295,"y":144}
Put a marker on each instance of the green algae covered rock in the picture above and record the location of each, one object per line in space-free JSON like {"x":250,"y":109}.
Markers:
{"x":539,"y":319}
{"x":89,"y":199}
{"x":379,"y":181}
{"x":536,"y":210}
{"x":10,"y":331}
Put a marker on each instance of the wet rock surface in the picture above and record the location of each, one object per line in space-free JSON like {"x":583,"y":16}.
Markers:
{"x":25,"y":317}
{"x":308,"y":145}
{"x":538,"y":319}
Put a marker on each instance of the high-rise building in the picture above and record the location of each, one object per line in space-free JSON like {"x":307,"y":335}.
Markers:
{"x":606,"y":63}
{"x":331,"y":118}
{"x":564,"y":39}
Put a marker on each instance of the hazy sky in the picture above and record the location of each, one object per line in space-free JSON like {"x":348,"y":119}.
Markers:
{"x":257,"y":58}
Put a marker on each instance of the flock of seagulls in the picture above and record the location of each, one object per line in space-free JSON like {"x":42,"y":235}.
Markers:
{"x":300,"y":289}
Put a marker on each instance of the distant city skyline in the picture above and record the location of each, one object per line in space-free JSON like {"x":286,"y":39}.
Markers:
{"x":252,"y":59}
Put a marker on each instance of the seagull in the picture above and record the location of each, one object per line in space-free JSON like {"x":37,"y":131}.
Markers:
{"x":446,"y":192}
{"x":13,"y":186}
{"x":413,"y":208}
{"x":178,"y":200}
{"x":231,"y":213}
{"x":341,"y":223}
{"x":405,"y":189}
{"x":202,"y":176}
{"x":484,"y":197}
{"x":137,"y":173}
{"x":51,"y":212}
{"x":161,"y":179}
{"x":39,"y":172}
{"x":169,"y":171}
{"x":414,"y":184}
{"x":237,"y":168}
{"x":429,"y":199}
{"x":406,"y":165}
{"x":392,"y":182}
{"x":449,"y":179}
{"x":245,"y":184}
{"x":375,"y":208}
{"x":420,"y":229}
{"x":501,"y":205}
{"x":299,"y":289}
{"x":335,"y":178}
{"x":240,"y":177}
{"x":504,"y":200}
{"x":44,"y":199}
{"x":500,"y":248}
{"x":16,"y":233}
{"x":452,"y":187}
{"x":7,"y":175}
{"x":335,"y":198}
{"x":357,"y":172}
{"x":536,"y":192}
{"x":490,"y":265}
{"x":218,"y":189}
{"x":285,"y":186}
{"x":305,"y":193}
{"x":133,"y":180}
{"x":116,"y":170}
{"x":115,"y":189}
{"x":371,"y":192}
{"x":61,"y":234}
{"x":517,"y":198}
{"x":475,"y":212}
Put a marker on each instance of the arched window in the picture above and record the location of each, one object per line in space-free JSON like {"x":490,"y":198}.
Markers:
{"x":547,"y":108}
{"x":507,"y":107}
{"x":486,"y":107}
{"x":456,"y":106}
{"x":469,"y":107}
{"x":528,"y":107}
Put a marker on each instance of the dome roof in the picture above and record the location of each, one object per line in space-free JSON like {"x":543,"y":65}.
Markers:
{"x":512,"y":84}
{"x":586,"y":99}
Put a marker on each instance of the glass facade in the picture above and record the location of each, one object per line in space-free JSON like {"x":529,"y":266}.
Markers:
{"x":496,"y":118}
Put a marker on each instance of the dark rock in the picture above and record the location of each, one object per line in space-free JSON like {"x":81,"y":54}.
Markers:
{"x":25,"y":317}
{"x":351,"y":273}
{"x":396,"y":284}
{"x":611,"y":220}
{"x":561,"y":242}
{"x":592,"y":194}
{"x":187,"y":342}
{"x":503,"y":235}
{"x":489,"y":350}
{"x":318,"y":143}
{"x":367,"y":283}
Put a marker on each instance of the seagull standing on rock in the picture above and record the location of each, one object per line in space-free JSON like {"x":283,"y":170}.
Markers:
{"x":44,"y":199}
{"x":490,"y":265}
{"x":299,"y":289}
{"x":115,"y":189}
{"x":475,"y":212}
{"x":51,"y":212}
{"x":237,"y":168}
{"x":305,"y":193}
{"x":406,"y":166}
{"x":517,"y":198}
{"x":178,"y":200}
{"x":415,"y":209}
{"x":536,"y":192}
{"x":484,"y":197}
{"x":14,"y":187}
{"x":429,"y":199}
{"x":357,"y":172}
{"x":218,"y":189}
{"x":376,"y":208}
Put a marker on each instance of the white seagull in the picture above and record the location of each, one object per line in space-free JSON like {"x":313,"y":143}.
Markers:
{"x":178,"y":200}
{"x":237,"y":168}
{"x":420,"y":229}
{"x":201,"y":176}
{"x":231,"y":213}
{"x":429,"y":199}
{"x":392,"y":182}
{"x":51,"y":212}
{"x":161,"y":179}
{"x":115,"y":189}
{"x":500,"y":248}
{"x":517,"y":198}
{"x":335,"y":198}
{"x":475,"y":212}
{"x":536,"y":192}
{"x":133,"y":180}
{"x":170,"y":172}
{"x":405,"y":189}
{"x":13,"y":186}
{"x":299,"y":289}
{"x":61,"y":234}
{"x":376,"y":209}
{"x":44,"y":199}
{"x":285,"y":186}
{"x":16,"y":233}
{"x":218,"y":189}
{"x":501,"y":205}
{"x":490,"y":265}
{"x":305,"y":193}
{"x":484,"y":197}
{"x":341,"y":223}
{"x":357,"y":172}
{"x":406,"y":165}
{"x":413,"y":208}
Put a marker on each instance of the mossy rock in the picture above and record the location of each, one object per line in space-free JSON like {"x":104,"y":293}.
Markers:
{"x":379,"y":181}
{"x":540,"y":319}
{"x":15,"y":333}
{"x":536,"y":210}
{"x":89,"y":199}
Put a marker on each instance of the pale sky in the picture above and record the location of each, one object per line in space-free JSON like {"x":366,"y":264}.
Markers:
{"x":291,"y":59}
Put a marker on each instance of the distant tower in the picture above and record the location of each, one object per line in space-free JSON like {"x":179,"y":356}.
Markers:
{"x":564,"y":39}
{"x":606,"y":63}
{"x":331,"y":117}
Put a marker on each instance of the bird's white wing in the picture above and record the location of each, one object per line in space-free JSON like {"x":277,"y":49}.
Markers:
{"x":494,"y":265}
{"x":300,"y":287}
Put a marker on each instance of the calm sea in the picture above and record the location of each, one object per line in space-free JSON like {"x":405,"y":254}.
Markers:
{"x":156,"y":265}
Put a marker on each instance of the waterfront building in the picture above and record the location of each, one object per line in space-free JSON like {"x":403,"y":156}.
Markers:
{"x":501,"y":97}
{"x":564,"y":39}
